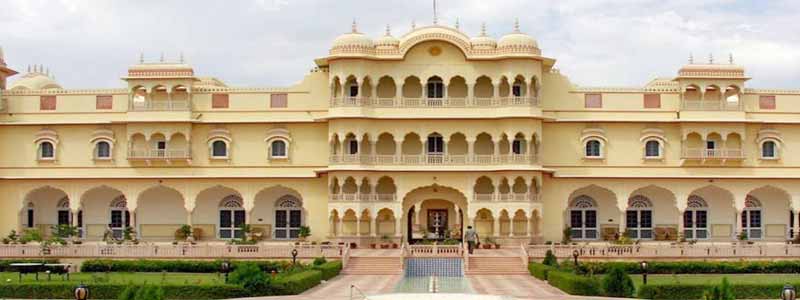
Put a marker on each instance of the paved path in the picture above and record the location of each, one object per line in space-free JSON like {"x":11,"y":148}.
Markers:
{"x":520,"y":286}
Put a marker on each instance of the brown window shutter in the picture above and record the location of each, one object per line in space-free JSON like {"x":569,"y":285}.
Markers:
{"x":593,"y":101}
{"x":766,"y":102}
{"x":278,"y":100}
{"x":47,"y":103}
{"x":652,"y":101}
{"x":219,"y":101}
{"x":104,"y":102}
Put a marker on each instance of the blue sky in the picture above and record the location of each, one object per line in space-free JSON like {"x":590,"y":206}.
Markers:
{"x":273,"y":42}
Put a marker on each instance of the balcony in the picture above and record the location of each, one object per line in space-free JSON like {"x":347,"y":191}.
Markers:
{"x":508,"y":197}
{"x":712,"y":105}
{"x":712,"y":154}
{"x":363,"y":197}
{"x":434,"y":159}
{"x":160,"y":154}
{"x":161,"y":105}
{"x":445,"y":102}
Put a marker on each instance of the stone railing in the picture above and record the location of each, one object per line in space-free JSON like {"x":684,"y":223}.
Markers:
{"x":663,"y":251}
{"x":702,"y":153}
{"x":510,"y":197}
{"x":434,"y":250}
{"x":712,"y":105}
{"x":161,"y":105}
{"x":169,"y":251}
{"x":363,"y":197}
{"x":155,"y":154}
{"x":432,"y":159}
{"x":444,"y":102}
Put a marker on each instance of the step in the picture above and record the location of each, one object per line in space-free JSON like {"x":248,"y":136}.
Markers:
{"x":373,"y":266}
{"x":496,"y":266}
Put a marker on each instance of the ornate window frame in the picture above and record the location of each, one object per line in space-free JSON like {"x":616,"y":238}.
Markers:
{"x":278,"y":134}
{"x":219,"y":135}
{"x":46,"y":136}
{"x":769,"y":135}
{"x":102,"y":135}
{"x":649,"y":135}
{"x":594,"y":134}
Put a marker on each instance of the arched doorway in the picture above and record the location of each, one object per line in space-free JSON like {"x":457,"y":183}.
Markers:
{"x":434,"y":213}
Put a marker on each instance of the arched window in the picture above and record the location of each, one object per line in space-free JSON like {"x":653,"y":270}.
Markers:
{"x":517,"y":89}
{"x":219,"y":149}
{"x":518,"y":145}
{"x":593,"y":149}
{"x":119,"y":217}
{"x":639,"y":218}
{"x":435,"y":88}
{"x":47,"y":150}
{"x":288,"y":217}
{"x":652,"y":149}
{"x":278,"y":149}
{"x":768,"y":149}
{"x":352,"y":90}
{"x":64,"y":216}
{"x":102,"y":150}
{"x":751,"y":218}
{"x":231,"y":217}
{"x":695,"y":219}
{"x":583,"y":218}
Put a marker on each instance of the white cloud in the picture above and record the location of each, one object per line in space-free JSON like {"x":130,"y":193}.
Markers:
{"x":89,"y":43}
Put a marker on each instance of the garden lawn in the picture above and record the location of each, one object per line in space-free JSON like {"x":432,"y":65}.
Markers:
{"x":118,"y":277}
{"x":716,"y":279}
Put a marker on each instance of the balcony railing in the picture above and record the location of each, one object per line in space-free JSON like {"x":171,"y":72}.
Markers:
{"x":701,"y":153}
{"x":161,"y":105}
{"x":660,"y":251}
{"x":433,"y":159}
{"x":509,"y":197}
{"x":712,"y":105}
{"x":363,"y":197}
{"x":168,"y":154}
{"x":200,"y":251}
{"x":454,"y":102}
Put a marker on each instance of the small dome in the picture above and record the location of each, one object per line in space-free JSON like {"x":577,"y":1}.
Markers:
{"x":353,"y":41}
{"x":483,"y":42}
{"x":36,"y":80}
{"x":387,"y":41}
{"x":518,"y":42}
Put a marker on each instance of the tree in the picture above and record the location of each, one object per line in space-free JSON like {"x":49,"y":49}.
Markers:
{"x":617,"y":283}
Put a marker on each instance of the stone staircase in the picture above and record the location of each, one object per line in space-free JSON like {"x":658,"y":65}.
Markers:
{"x":373,"y":265}
{"x":496,"y":265}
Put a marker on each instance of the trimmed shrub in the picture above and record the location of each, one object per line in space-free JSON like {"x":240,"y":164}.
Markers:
{"x":617,"y":283}
{"x":129,"y":293}
{"x":575,"y":284}
{"x":329,"y":269}
{"x":539,"y":270}
{"x":61,"y":290}
{"x":692,"y":267}
{"x":550,"y":259}
{"x":250,"y":276}
{"x":173,"y":266}
{"x":319,"y":260}
{"x":296,"y":283}
{"x":720,"y":292}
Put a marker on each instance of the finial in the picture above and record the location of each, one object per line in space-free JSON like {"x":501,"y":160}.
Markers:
{"x":730,"y":58}
{"x":691,"y":58}
{"x":181,"y":56}
{"x":483,"y":29}
{"x":516,"y":25}
{"x":141,"y":57}
{"x":388,"y":30}
{"x":435,"y":17}
{"x":711,"y":58}
{"x":354,"y":27}
{"x":162,"y":57}
{"x":413,"y":24}
{"x":2,"y":56}
{"x":458,"y":24}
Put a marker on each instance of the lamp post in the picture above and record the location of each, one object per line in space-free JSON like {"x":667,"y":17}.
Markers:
{"x":788,"y":293}
{"x":575,"y":254}
{"x":81,"y":292}
{"x":294,"y":256}
{"x":225,"y":267}
{"x":643,"y":264}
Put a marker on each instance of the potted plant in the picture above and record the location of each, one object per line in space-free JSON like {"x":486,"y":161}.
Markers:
{"x":304,"y":233}
{"x":385,"y":244}
{"x":487,"y":243}
{"x":742,"y":237}
{"x":373,"y":245}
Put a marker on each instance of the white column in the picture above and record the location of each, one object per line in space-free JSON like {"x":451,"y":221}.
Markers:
{"x":373,"y":144}
{"x":332,"y":224}
{"x":622,"y":223}
{"x":496,"y":90}
{"x":496,"y":225}
{"x":358,"y":226}
{"x":796,"y":224}
{"x":529,"y":228}
{"x":496,"y":146}
{"x":398,"y":95}
{"x":373,"y":224}
{"x":339,"y":227}
{"x":398,"y":151}
{"x":417,"y":213}
{"x":189,"y":217}
{"x":398,"y":226}
{"x":680,"y":221}
{"x":739,"y":226}
{"x":470,"y":94}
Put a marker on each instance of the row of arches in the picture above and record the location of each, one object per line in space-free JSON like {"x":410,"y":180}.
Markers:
{"x":434,"y":86}
{"x":219,"y":212}
{"x":160,"y":97}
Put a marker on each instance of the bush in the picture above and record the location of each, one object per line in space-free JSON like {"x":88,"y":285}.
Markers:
{"x":692,"y":267}
{"x":173,"y":266}
{"x":319,"y":260}
{"x":539,"y":270}
{"x":720,"y":292}
{"x":296,"y":283}
{"x":550,"y":259}
{"x":250,"y":276}
{"x":575,"y":284}
{"x":617,"y":283}
{"x":329,"y":269}
{"x":61,"y":290}
{"x":697,"y":291}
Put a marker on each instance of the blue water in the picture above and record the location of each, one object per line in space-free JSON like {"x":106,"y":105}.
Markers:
{"x":448,"y":272}
{"x":420,"y":284}
{"x":440,"y":267}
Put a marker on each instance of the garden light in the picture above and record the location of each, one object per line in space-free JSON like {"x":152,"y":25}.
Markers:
{"x":81,"y":292}
{"x":788,"y":293}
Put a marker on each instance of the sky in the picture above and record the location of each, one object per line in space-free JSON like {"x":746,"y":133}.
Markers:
{"x":90,"y":43}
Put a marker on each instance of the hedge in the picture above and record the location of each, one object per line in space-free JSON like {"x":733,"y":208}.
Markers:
{"x":329,"y":269}
{"x":296,"y":283}
{"x":172,"y":266}
{"x":692,"y":267}
{"x":575,"y":284}
{"x":58,"y":290}
{"x":695,"y":291}
{"x":539,"y":270}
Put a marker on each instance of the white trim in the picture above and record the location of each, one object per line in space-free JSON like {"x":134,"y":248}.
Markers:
{"x":601,"y":148}
{"x":660,"y":142}
{"x":776,"y":151}
{"x":226,"y":142}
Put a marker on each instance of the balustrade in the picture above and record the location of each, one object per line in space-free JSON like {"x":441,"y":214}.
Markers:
{"x":699,"y":251}
{"x":160,"y":105}
{"x":154,"y":154}
{"x":507,"y":197}
{"x":702,"y":153}
{"x":712,"y":105}
{"x":414,"y":102}
{"x":432,"y":159}
{"x":362,"y":197}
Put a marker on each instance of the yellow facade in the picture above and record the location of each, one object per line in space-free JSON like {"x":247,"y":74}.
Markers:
{"x":404,"y":138}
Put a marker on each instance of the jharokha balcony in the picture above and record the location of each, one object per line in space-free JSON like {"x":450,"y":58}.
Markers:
{"x":506,"y":197}
{"x":433,"y":159}
{"x":161,"y":105}
{"x":160,"y":154}
{"x":344,"y":197}
{"x":442,"y":102}
{"x":712,"y":154}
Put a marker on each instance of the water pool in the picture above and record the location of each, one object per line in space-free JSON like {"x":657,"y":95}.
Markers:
{"x":421,"y":284}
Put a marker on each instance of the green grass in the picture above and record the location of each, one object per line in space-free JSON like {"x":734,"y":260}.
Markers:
{"x":115,"y":277}
{"x":715,"y":278}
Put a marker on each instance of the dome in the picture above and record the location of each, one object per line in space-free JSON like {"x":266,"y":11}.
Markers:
{"x":387,"y":41}
{"x":353,"y":41}
{"x":36,"y":80}
{"x":483,"y":42}
{"x":518,"y":42}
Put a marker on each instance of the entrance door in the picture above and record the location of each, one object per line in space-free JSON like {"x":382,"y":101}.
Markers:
{"x":120,"y":219}
{"x":287,"y":223}
{"x":437,"y":222}
{"x":230,"y":223}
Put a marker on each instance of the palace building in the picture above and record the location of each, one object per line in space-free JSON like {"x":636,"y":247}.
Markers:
{"x":402,"y":138}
